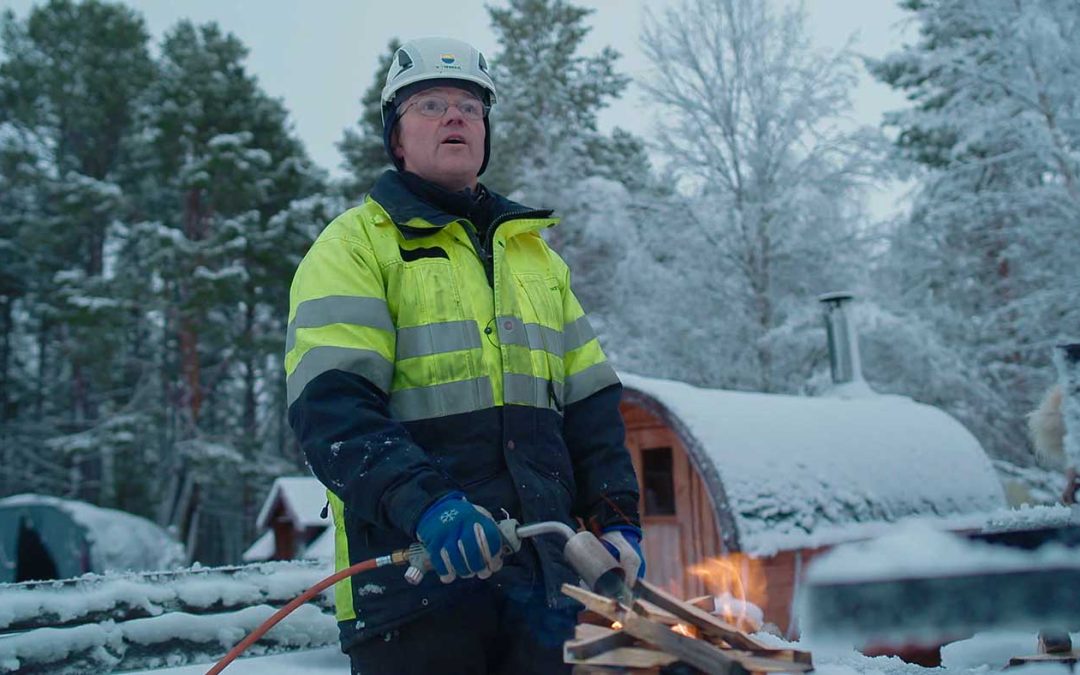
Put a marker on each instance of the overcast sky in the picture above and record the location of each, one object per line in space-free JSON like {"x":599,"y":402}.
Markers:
{"x":319,"y":55}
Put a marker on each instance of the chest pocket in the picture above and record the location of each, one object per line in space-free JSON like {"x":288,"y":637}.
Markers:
{"x":427,"y":292}
{"x":543,"y":318}
{"x":435,"y":340}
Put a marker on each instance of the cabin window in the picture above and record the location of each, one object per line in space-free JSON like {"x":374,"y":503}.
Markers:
{"x":659,"y":481}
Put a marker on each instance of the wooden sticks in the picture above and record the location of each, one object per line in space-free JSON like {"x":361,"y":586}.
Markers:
{"x":721,"y":650}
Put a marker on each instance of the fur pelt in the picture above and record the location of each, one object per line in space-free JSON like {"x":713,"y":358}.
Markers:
{"x":1047,"y":429}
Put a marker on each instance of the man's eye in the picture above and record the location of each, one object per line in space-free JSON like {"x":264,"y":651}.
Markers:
{"x":432,"y":105}
{"x":469,"y":108}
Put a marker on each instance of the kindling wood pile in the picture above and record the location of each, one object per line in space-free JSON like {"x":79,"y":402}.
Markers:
{"x":659,"y":633}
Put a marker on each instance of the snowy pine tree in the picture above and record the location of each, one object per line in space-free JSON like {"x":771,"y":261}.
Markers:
{"x":362,"y":147}
{"x":546,"y":148}
{"x":71,"y":120}
{"x":214,"y":164}
{"x":989,"y":253}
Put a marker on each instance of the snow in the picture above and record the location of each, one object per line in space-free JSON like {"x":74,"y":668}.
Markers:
{"x":157,"y":593}
{"x":977,"y":656}
{"x":120,"y":541}
{"x":262,"y":549}
{"x":323,"y":546}
{"x":325,"y":660}
{"x":917,"y":549}
{"x":108,"y":641}
{"x":303,"y":498}
{"x":801,"y":472}
{"x":158,"y":619}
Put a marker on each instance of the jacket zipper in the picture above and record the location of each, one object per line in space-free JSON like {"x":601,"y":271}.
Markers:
{"x":486,"y":250}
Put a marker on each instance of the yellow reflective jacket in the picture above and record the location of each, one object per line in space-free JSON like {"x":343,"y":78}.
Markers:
{"x":422,"y":360}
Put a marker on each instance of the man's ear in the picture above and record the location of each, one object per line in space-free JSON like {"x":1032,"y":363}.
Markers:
{"x":395,"y":144}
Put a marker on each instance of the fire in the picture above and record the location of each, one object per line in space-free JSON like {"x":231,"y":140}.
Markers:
{"x":680,"y":628}
{"x":737,"y":583}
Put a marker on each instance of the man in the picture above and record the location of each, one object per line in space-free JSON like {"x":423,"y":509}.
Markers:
{"x":440,"y":370}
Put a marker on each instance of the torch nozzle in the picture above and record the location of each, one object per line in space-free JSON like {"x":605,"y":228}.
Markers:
{"x":582,"y":550}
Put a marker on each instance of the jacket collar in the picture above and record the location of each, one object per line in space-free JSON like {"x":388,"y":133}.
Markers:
{"x":417,"y":217}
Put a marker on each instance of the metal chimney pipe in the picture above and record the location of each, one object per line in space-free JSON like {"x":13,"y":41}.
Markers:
{"x":843,"y":342}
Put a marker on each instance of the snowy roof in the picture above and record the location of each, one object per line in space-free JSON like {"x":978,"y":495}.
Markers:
{"x":262,"y":549}
{"x":120,"y":541}
{"x":303,"y":498}
{"x":792,"y":472}
{"x":323,"y":546}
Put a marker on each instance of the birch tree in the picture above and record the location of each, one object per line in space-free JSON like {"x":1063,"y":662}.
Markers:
{"x":753,"y":127}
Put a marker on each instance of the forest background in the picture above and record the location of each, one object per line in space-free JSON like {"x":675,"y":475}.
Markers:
{"x":155,"y":200}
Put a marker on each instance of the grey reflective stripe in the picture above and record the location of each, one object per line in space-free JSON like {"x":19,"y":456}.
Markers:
{"x":512,"y":331}
{"x":589,"y":381}
{"x":534,"y":391}
{"x":440,"y":400}
{"x":578,"y":333}
{"x":364,"y":362}
{"x":437,"y":338}
{"x":352,"y":309}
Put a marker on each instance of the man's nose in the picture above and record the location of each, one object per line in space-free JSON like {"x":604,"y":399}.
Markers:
{"x":453,"y":114}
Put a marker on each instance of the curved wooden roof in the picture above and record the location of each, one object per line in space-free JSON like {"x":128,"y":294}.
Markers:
{"x":791,"y":472}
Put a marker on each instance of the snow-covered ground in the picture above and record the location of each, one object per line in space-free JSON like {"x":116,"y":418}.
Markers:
{"x":315,"y":661}
{"x":131,"y":616}
{"x":979,"y":655}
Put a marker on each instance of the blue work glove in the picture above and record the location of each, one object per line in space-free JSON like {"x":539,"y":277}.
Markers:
{"x":462,"y":539}
{"x":623,"y":542}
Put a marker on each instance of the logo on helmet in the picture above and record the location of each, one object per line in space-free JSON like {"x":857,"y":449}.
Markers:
{"x":448,"y":58}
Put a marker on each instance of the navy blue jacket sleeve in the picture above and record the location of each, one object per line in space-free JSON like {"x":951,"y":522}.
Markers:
{"x":362,"y":454}
{"x":606,"y":483}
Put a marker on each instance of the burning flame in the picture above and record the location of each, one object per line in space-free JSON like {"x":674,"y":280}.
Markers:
{"x":737,"y":583}
{"x":680,"y":628}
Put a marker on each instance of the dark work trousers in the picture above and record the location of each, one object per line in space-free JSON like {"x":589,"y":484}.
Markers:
{"x":492,"y":631}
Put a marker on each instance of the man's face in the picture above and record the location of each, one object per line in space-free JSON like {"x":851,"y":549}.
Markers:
{"x":447,"y":150}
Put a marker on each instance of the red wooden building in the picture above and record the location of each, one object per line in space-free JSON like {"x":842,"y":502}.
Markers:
{"x":292,"y":523}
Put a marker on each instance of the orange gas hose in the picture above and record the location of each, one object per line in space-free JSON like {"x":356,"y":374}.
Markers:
{"x":284,"y":611}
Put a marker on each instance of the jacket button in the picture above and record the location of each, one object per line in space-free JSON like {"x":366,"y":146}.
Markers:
{"x":487,"y":330}
{"x":509,"y":445}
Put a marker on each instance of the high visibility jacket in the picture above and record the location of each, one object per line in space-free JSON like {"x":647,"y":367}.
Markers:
{"x":422,"y":360}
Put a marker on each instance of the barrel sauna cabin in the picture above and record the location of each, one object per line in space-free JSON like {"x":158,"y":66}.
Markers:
{"x":779,"y":479}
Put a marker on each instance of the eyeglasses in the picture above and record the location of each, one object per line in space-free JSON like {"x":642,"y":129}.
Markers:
{"x":435,"y":107}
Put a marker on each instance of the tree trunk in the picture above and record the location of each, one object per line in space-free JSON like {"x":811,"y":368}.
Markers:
{"x":190,"y":365}
{"x":250,"y":374}
{"x":190,"y":368}
{"x":43,"y":365}
{"x":7,"y":412}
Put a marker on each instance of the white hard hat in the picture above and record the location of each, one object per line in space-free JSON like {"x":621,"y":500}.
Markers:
{"x":437,"y":58}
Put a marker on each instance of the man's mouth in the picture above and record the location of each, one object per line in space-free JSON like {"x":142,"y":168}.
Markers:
{"x":455,"y":140}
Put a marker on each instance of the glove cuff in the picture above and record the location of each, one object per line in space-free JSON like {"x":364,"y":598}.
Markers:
{"x":632,"y":534}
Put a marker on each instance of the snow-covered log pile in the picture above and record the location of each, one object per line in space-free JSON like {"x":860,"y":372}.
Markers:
{"x":122,"y":622}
